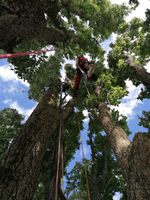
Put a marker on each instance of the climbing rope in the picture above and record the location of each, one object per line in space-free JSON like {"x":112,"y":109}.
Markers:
{"x":58,"y":160}
{"x":60,"y":157}
{"x":20,"y":54}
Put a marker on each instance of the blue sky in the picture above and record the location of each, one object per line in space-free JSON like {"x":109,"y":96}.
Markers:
{"x":14,"y":94}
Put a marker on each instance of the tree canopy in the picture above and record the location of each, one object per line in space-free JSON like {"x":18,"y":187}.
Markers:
{"x":77,"y":27}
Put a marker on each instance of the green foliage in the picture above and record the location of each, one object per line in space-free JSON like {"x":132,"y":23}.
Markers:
{"x":99,"y":13}
{"x":91,"y":22}
{"x":70,"y":71}
{"x":133,"y":40}
{"x":110,"y":92}
{"x":72,"y":135}
{"x":46,"y":76}
{"x":9,"y":127}
{"x":147,"y":21}
{"x":136,"y":2}
{"x":121,"y":121}
{"x":76,"y":183}
{"x":103,"y":175}
{"x":145,"y":120}
{"x":25,"y":66}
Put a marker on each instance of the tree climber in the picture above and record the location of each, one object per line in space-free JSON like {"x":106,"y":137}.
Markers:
{"x":83,"y":67}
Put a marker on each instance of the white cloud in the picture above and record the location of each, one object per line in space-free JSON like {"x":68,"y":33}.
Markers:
{"x":129,"y":102}
{"x":13,"y":88}
{"x":86,"y":115}
{"x":6,"y":75}
{"x":139,"y":11}
{"x":117,"y":196}
{"x":147,"y":67}
{"x":21,"y":110}
{"x":120,"y":1}
{"x":106,"y":43}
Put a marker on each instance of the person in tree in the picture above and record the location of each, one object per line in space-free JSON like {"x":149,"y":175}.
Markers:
{"x":84,"y":67}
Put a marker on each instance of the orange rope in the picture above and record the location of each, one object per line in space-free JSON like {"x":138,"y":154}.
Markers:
{"x":58,"y":160}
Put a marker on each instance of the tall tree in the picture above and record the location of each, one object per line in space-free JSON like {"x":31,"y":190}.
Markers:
{"x":74,"y":27}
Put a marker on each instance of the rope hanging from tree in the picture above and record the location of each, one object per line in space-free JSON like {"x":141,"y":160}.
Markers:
{"x":60,"y":157}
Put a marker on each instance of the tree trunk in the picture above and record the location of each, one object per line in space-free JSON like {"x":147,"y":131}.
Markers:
{"x":20,"y":167}
{"x":138,"y":179}
{"x":117,"y":137}
{"x":133,"y":158}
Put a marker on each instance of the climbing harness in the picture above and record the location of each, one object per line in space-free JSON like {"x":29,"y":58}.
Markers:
{"x":28,"y":53}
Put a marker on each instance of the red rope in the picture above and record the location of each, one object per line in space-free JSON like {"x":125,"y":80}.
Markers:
{"x":19,"y":54}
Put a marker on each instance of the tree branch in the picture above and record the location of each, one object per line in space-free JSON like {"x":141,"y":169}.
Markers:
{"x":140,"y":72}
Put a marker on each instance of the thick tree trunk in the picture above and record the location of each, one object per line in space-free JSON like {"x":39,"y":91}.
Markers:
{"x":117,"y":137}
{"x":20,"y":167}
{"x":133,"y":158}
{"x":138,"y":179}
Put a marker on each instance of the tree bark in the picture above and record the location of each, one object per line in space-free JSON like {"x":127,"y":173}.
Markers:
{"x":117,"y":137}
{"x":15,"y":29}
{"x":20,"y":167}
{"x":26,"y":21}
{"x":138,"y":179}
{"x":140,"y":72}
{"x":133,"y":157}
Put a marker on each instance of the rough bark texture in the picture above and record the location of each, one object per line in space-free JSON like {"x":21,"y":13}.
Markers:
{"x":133,"y":157}
{"x":25,"y":20}
{"x":138,"y":181}
{"x":20,"y":167}
{"x":117,"y":137}
{"x":140,"y":72}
